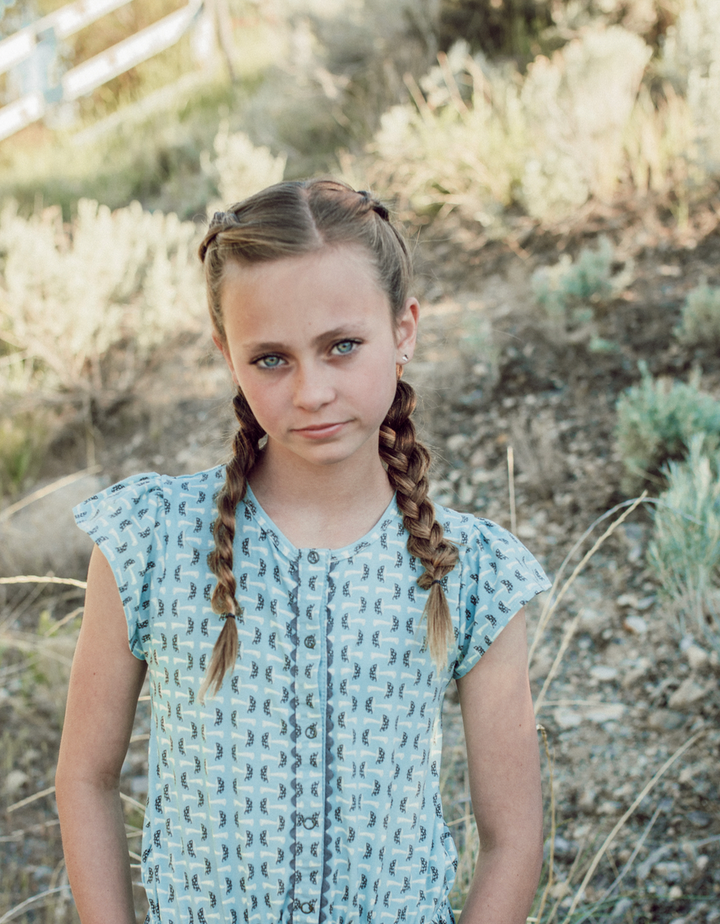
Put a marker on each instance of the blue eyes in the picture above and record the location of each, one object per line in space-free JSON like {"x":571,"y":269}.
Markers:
{"x":268,"y":362}
{"x":345,"y":347}
{"x":273,"y":361}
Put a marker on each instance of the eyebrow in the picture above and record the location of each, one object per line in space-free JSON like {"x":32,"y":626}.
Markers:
{"x":337,"y":333}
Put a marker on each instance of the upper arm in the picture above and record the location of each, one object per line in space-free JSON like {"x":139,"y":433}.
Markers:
{"x":105,"y":683}
{"x":501,"y":738}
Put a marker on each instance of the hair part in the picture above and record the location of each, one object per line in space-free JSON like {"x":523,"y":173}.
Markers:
{"x":287,"y":220}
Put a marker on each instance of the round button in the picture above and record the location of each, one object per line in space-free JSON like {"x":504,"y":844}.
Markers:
{"x":311,"y":731}
{"x":307,"y":907}
{"x":310,"y":641}
{"x":309,"y":823}
{"x":313,"y":557}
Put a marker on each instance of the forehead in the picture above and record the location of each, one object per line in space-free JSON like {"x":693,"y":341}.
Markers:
{"x":328,"y":287}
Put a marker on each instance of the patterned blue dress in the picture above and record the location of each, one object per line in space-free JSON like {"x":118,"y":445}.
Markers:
{"x":308,"y":789}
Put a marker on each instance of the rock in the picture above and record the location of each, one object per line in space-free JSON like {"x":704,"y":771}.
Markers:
{"x":698,"y":658}
{"x":666,"y":720}
{"x":587,"y":800}
{"x":567,"y":718}
{"x":699,"y":819}
{"x":621,"y":909}
{"x":635,"y":624}
{"x":14,"y":782}
{"x":593,"y":622}
{"x":605,"y":712}
{"x":564,"y":849}
{"x":688,"y":693}
{"x":635,"y":672}
{"x":603,"y":672}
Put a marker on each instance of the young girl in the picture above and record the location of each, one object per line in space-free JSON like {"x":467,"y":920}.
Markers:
{"x":300,"y":612}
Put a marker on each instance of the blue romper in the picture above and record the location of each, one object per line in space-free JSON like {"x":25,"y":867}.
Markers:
{"x":308,"y":789}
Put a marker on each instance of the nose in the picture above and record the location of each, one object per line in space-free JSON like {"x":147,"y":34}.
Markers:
{"x":313,"y":387}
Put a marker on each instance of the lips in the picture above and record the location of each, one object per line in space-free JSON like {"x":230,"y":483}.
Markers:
{"x":320,"y":431}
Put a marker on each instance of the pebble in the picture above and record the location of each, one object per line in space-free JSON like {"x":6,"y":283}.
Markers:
{"x":666,"y":720}
{"x":593,"y":622}
{"x":698,"y":658}
{"x":699,"y":819}
{"x":605,"y":712}
{"x":567,"y":718}
{"x":14,"y":781}
{"x":635,"y":624}
{"x":603,"y":672}
{"x":688,"y":693}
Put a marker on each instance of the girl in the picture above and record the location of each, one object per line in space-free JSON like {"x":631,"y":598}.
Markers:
{"x":300,"y":612}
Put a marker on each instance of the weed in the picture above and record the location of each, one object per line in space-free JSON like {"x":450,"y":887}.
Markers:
{"x":570,"y":290}
{"x":656,"y":420}
{"x":685,"y":549}
{"x":700,"y":322}
{"x":23,"y":441}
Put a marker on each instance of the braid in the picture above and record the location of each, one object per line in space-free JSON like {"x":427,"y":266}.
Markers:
{"x":407,"y":463}
{"x":220,"y":560}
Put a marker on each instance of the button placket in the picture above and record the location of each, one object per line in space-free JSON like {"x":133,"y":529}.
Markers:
{"x":310,"y":693}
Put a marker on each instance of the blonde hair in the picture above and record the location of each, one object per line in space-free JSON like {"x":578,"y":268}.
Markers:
{"x":290,"y":219}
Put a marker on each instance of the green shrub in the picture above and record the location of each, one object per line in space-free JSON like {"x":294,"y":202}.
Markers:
{"x":77,"y":300}
{"x":700,"y":323}
{"x":685,"y":549}
{"x":656,"y":419}
{"x":568,"y":290}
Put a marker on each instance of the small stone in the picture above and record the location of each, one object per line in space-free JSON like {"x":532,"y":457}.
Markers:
{"x":698,"y":658}
{"x":688,"y":693}
{"x":669,"y":870}
{"x":635,"y":671}
{"x":568,"y":718}
{"x":593,"y":622}
{"x":457,"y":441}
{"x":605,"y":712}
{"x":14,"y":781}
{"x":620,"y":910}
{"x":675,"y":893}
{"x":699,"y":819}
{"x":586,"y":801}
{"x":666,"y":720}
{"x":603,"y":672}
{"x":635,"y":624}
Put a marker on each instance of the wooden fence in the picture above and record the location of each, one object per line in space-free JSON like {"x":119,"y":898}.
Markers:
{"x":38,"y":42}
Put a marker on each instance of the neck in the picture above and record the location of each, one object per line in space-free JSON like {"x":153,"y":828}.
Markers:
{"x":328,"y":506}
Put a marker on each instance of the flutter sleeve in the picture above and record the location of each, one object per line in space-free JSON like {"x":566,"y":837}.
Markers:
{"x":499,"y":576}
{"x":128,"y":524}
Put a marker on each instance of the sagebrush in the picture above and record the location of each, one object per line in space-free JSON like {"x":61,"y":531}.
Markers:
{"x":656,"y":419}
{"x":685,"y":549}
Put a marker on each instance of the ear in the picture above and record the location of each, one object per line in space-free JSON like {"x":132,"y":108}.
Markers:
{"x":226,"y":356}
{"x":406,"y":331}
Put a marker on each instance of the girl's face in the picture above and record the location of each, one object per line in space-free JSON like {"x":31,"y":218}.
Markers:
{"x":311,"y":342}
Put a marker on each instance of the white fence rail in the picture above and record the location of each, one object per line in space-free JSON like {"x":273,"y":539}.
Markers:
{"x":98,"y":70}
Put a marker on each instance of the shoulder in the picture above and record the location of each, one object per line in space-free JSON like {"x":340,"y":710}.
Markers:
{"x":147,"y":498}
{"x":486,"y":547}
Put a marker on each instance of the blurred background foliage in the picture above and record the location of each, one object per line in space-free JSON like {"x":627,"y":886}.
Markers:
{"x":477,"y":121}
{"x":547,"y":103}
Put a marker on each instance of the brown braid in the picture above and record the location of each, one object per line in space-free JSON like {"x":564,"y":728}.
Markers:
{"x":220,"y":560}
{"x":407,"y":463}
